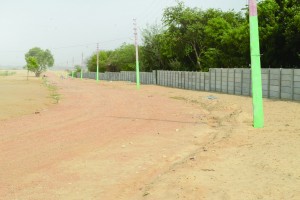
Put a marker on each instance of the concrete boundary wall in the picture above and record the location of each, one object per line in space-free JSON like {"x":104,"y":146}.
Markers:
{"x":145,"y":77}
{"x":277,"y":83}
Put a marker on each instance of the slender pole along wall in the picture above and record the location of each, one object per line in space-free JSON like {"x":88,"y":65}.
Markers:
{"x":81,"y":71}
{"x":97,"y":75}
{"x":68,"y":68}
{"x":137,"y":55}
{"x":73,"y":65}
{"x":258,"y":113}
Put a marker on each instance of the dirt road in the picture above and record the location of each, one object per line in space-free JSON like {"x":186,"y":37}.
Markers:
{"x":110,"y":141}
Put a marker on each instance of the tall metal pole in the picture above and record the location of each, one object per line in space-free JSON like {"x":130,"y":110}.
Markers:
{"x":81,"y":71}
{"x":68,"y":73}
{"x":257,"y":97}
{"x":137,"y":55}
{"x":73,"y":65}
{"x":97,"y":75}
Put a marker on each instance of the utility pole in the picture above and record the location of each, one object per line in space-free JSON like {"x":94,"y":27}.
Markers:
{"x":137,"y":54}
{"x":81,"y":72}
{"x":257,"y":100}
{"x":68,"y":75}
{"x":97,"y":76}
{"x":73,"y":67}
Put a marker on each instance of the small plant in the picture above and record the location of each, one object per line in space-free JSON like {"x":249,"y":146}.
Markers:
{"x":178,"y":98}
{"x":53,"y":91}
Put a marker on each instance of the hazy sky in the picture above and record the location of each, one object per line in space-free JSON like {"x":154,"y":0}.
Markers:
{"x":72,"y":27}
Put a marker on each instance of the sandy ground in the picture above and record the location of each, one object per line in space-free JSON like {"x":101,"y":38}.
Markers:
{"x":109,"y":141}
{"x":19,"y":96}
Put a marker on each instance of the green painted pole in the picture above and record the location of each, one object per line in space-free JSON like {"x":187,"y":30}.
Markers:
{"x":81,"y":71}
{"x":137,"y":55}
{"x":97,"y":75}
{"x":137,"y":67}
{"x":257,"y":98}
{"x":137,"y":75}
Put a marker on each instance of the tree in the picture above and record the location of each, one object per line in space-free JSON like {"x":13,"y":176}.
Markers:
{"x":32,"y":63}
{"x":38,"y":60}
{"x":279,"y":22}
{"x":152,"y":49}
{"x":199,"y":39}
{"x":77,"y":69}
{"x":123,"y":58}
{"x":235,"y":47}
{"x":103,"y":60}
{"x":185,"y":35}
{"x":195,"y":39}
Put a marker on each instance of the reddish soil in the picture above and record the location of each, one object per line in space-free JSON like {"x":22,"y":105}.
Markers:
{"x":109,"y":141}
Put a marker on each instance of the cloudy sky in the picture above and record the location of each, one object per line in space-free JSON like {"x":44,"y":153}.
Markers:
{"x":72,"y":27}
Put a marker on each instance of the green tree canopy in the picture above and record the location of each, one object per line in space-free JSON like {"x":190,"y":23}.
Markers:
{"x":279,"y":22}
{"x":196,"y":40}
{"x":154,"y":55}
{"x":123,"y":58}
{"x":38,"y":60}
{"x":103,"y":60}
{"x":120,"y":59}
